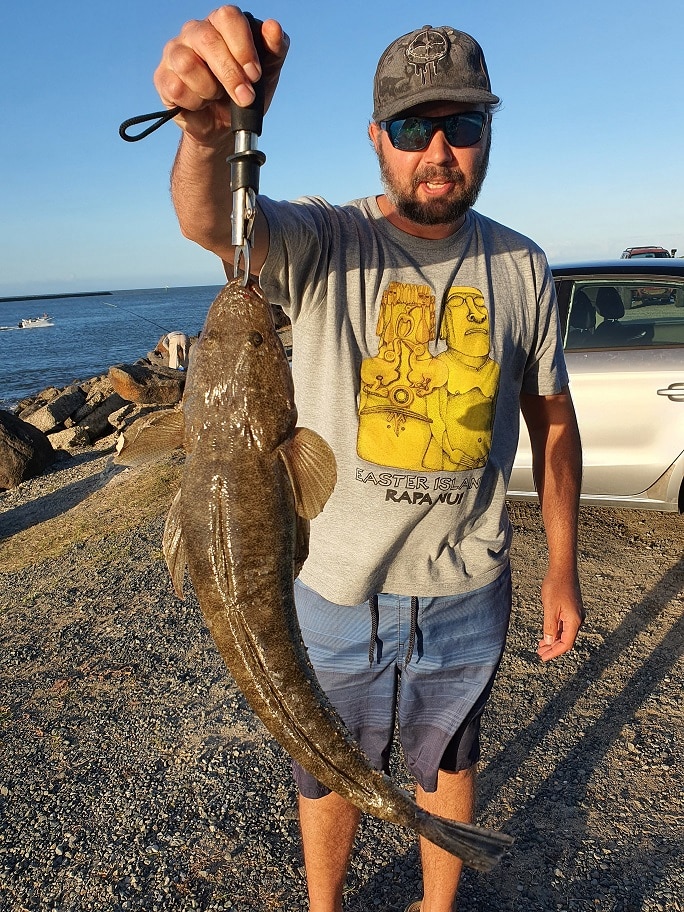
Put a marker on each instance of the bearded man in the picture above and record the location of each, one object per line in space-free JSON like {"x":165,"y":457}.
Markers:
{"x":405,"y":597}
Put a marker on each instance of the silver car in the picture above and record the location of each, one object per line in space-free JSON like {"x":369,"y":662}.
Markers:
{"x":623,"y":325}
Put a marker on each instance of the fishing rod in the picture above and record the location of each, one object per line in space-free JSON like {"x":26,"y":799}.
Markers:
{"x":139,"y":316}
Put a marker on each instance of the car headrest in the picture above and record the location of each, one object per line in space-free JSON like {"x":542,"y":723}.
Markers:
{"x":582,"y":313}
{"x":609,"y":303}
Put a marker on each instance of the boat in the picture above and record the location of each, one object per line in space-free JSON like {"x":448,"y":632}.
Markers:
{"x":35,"y":322}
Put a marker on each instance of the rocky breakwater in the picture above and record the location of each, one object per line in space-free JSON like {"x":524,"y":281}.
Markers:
{"x":60,"y":421}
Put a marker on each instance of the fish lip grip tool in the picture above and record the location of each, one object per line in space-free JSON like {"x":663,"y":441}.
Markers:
{"x":245,"y":162}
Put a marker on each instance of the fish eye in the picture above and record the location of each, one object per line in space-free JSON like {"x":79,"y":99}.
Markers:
{"x":256,"y":339}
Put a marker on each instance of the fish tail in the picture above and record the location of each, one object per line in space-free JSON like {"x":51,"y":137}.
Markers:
{"x":477,"y":847}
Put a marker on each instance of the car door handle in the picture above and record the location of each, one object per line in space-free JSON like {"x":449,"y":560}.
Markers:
{"x":674,"y":392}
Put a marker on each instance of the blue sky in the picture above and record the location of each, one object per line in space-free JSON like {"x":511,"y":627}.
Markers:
{"x":586,"y":159}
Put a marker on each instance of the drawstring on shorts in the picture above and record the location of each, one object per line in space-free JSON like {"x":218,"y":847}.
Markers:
{"x":375,"y":621}
{"x":412,"y":629}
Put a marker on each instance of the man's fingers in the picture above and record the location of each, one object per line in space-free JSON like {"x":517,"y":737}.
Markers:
{"x":229,"y":50}
{"x":209,"y":58}
{"x":184,"y":80}
{"x":215,"y":58}
{"x":547,"y":651}
{"x":552,"y":645}
{"x":276,"y":41}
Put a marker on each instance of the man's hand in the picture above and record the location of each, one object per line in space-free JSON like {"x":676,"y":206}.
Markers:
{"x":212,"y":61}
{"x":563,"y":614}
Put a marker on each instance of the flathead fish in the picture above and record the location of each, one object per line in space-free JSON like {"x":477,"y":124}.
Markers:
{"x":251,"y":482}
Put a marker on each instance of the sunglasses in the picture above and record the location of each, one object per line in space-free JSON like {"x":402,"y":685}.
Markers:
{"x":413,"y":134}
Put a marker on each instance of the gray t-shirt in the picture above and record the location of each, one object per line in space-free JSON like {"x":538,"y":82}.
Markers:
{"x":409,"y":356}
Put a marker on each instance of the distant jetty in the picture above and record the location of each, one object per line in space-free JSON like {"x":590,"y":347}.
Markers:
{"x":50,"y":297}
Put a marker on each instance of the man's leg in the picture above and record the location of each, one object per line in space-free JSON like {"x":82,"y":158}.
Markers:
{"x":328,"y":827}
{"x":463,"y":640}
{"x":337,"y":638}
{"x":455,"y":800}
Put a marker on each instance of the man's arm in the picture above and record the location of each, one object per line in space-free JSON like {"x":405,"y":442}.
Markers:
{"x":557,"y":467}
{"x":200,"y":189}
{"x":211,"y":62}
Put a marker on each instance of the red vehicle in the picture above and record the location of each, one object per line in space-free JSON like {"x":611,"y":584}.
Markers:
{"x":646,"y":252}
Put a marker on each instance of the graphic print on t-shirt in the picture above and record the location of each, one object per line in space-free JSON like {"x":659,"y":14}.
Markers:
{"x":421,"y":411}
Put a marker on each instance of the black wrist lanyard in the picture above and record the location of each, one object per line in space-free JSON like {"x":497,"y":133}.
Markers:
{"x":159,"y":118}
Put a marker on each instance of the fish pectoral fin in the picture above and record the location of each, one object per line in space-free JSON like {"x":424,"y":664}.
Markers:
{"x":312,"y":469}
{"x":151,"y":437}
{"x":301,"y":544}
{"x":174,"y":546}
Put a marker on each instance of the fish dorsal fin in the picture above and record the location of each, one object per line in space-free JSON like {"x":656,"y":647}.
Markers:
{"x":312,"y":469}
{"x":151,"y":437}
{"x":174,"y":546}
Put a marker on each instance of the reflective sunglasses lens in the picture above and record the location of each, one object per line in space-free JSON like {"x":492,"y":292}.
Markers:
{"x":463,"y":130}
{"x":411,"y":134}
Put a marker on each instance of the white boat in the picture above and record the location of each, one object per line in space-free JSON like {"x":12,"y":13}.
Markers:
{"x":35,"y":322}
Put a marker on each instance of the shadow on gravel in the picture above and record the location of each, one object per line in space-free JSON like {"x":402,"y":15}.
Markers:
{"x":563,"y":791}
{"x":51,"y":505}
{"x":512,"y":756}
{"x":389,"y":888}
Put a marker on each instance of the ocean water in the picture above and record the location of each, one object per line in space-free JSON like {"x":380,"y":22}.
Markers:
{"x":90,"y":334}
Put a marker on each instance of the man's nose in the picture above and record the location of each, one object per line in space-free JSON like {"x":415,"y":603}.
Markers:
{"x":439,"y":150}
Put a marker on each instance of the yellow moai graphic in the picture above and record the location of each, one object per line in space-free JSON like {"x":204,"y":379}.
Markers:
{"x":421,"y":412}
{"x":397,"y":406}
{"x":473,"y":380}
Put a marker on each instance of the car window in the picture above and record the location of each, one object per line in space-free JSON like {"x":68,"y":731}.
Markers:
{"x":625,"y":314}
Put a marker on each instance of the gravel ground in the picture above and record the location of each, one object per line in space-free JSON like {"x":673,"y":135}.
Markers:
{"x":134,"y":776}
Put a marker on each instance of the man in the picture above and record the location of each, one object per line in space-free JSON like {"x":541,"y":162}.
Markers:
{"x":177,"y":345}
{"x":407,"y":578}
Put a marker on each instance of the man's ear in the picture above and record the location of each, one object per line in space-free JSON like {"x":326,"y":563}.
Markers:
{"x":374,"y":134}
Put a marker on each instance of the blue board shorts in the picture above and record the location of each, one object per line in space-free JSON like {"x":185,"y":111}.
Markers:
{"x":437,"y":696}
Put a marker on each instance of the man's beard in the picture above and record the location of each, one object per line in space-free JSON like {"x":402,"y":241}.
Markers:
{"x":435,"y":211}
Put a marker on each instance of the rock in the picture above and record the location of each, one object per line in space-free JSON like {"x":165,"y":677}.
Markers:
{"x":80,"y":414}
{"x":32,"y":403}
{"x":70,"y":438}
{"x":131,"y":411}
{"x":158,"y":358}
{"x":24,"y":450}
{"x":146,"y":384}
{"x":97,"y":391}
{"x":97,"y":422}
{"x":57,"y":410}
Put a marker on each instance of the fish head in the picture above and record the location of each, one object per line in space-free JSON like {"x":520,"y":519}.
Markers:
{"x":239,"y":380}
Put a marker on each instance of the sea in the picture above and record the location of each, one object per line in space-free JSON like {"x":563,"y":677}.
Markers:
{"x":91,"y":332}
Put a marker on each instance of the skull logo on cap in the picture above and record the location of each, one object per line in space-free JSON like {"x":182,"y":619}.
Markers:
{"x":425,"y":52}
